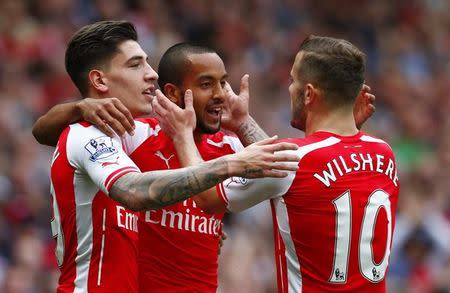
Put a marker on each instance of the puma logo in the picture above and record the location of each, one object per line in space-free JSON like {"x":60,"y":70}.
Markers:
{"x":166,"y":160}
{"x":104,"y":164}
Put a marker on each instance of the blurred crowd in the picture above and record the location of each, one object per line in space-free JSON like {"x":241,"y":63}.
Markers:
{"x":407,"y":43}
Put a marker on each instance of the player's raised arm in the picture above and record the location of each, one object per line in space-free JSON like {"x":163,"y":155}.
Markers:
{"x":236,"y":116}
{"x":260,"y":159}
{"x":108,"y":114}
{"x":153,"y":190}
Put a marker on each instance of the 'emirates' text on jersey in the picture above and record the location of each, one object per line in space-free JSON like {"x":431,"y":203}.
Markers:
{"x":96,"y":237}
{"x":333,"y":218}
{"x":178,"y":244}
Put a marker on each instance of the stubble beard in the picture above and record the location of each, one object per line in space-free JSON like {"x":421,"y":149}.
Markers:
{"x":207,"y":129}
{"x":298,"y":120}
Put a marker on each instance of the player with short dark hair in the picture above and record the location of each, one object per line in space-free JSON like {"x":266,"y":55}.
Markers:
{"x":178,"y":245}
{"x":334,"y":217}
{"x":94,"y":184}
{"x":94,"y":46}
{"x":165,"y":265}
{"x":174,"y":63}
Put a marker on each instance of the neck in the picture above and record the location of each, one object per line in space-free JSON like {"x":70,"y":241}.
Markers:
{"x":339,"y":121}
{"x":197,"y":135}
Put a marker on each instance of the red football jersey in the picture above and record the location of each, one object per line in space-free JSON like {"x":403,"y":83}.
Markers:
{"x":178,"y":244}
{"x":333,"y":218}
{"x":96,"y":237}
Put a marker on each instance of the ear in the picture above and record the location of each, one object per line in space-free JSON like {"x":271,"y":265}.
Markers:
{"x":97,"y":80}
{"x":310,"y":94}
{"x":173,"y":93}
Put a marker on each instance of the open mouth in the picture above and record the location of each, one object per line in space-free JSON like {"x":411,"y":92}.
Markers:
{"x":150,"y":92}
{"x":214,"y":112}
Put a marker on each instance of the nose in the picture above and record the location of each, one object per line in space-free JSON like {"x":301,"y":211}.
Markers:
{"x":219,"y":92}
{"x":150,"y":73}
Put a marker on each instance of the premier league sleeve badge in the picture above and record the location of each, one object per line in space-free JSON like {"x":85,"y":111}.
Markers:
{"x":100,"y":148}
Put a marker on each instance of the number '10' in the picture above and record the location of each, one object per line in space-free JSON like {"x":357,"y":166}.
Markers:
{"x":369,"y":269}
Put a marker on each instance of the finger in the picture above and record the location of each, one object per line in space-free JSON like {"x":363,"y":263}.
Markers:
{"x":244,"y":84}
{"x":273,"y":173}
{"x":370,"y":98}
{"x":285,"y":166}
{"x":188,"y":100}
{"x":120,"y":119}
{"x":112,"y":122}
{"x":365,"y":88}
{"x":266,"y":141}
{"x":282,"y":146}
{"x":286,"y":157}
{"x":371,"y":110}
{"x":158,"y":109}
{"x":227,"y":87}
{"x":163,"y":100}
{"x":128,"y":122}
{"x":102,"y":126}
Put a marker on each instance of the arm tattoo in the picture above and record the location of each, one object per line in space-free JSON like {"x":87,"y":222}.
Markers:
{"x":250,"y":132}
{"x":153,"y":190}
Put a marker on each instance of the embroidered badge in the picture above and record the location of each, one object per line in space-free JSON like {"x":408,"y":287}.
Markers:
{"x":239,"y":180}
{"x":100,"y":148}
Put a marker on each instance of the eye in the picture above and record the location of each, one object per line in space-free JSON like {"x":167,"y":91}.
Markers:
{"x":135,"y":65}
{"x":223,"y":83}
{"x":205,"y":84}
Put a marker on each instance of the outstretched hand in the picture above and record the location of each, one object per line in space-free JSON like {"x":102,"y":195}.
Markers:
{"x":364,"y":106}
{"x":266,"y":159}
{"x":174,"y":121}
{"x":109,"y":115}
{"x":236,"y":110}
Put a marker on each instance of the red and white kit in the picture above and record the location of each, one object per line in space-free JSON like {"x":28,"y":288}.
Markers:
{"x":333,"y":218}
{"x":178,"y":244}
{"x":96,"y":237}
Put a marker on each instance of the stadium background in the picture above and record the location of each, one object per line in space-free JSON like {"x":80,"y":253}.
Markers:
{"x":408,"y":49}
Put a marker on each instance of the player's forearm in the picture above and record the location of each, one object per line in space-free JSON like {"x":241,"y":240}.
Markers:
{"x":48,"y":127}
{"x":187,"y":152}
{"x":154,"y":190}
{"x":250,"y":132}
{"x":188,"y":155}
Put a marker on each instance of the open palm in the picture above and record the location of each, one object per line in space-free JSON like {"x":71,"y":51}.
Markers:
{"x":236,"y":106}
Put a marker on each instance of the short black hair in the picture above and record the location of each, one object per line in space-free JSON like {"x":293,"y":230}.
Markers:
{"x":95,"y":45}
{"x":173,"y":64}
{"x":335,"y":66}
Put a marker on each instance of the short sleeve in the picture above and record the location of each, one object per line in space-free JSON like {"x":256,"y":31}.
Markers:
{"x":99,"y":156}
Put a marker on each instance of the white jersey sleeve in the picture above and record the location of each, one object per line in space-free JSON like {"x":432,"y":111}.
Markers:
{"x":141,"y":133}
{"x":98,"y":156}
{"x":240,"y":193}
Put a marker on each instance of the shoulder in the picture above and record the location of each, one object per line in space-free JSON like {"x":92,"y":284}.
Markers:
{"x":147,"y":130}
{"x":223,"y":140}
{"x":82,"y":130}
{"x":311,"y":143}
{"x":147,"y":127}
{"x":84,"y":138}
{"x":370,"y":138}
{"x":319,"y":140}
{"x":376,"y":142}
